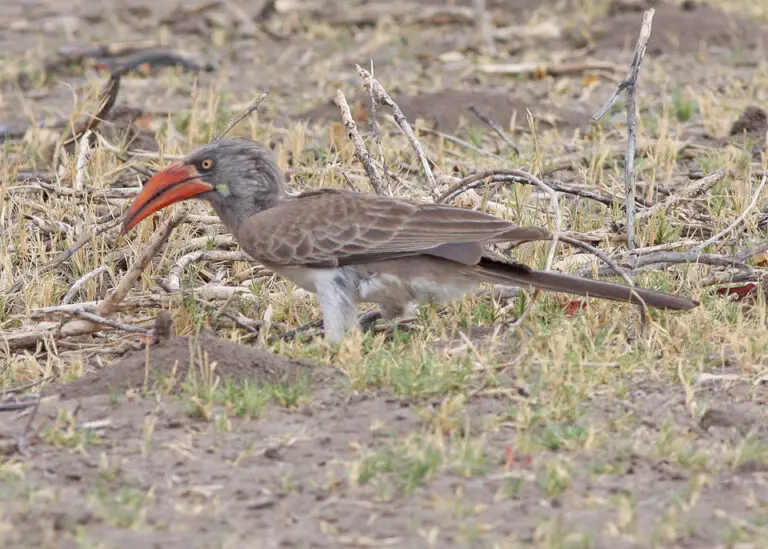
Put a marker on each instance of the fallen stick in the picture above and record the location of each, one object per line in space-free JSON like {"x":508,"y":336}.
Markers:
{"x":88,"y":192}
{"x":75,"y":288}
{"x":112,"y":301}
{"x":96,"y":319}
{"x":695,"y":188}
{"x":629,"y":83}
{"x":174,"y":276}
{"x":361,"y":152}
{"x":539,"y":70}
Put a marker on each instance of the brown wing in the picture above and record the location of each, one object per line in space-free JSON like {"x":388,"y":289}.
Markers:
{"x":343,"y":228}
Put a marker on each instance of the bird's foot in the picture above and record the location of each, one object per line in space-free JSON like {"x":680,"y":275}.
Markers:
{"x":367,"y":320}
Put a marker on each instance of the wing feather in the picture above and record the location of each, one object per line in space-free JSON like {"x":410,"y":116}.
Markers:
{"x":342,"y":228}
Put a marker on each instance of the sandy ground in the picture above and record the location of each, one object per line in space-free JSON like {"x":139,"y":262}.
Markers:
{"x":311,"y":461}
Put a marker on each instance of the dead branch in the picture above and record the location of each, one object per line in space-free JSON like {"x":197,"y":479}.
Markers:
{"x":24,"y":387}
{"x":695,"y":188}
{"x":646,"y":262}
{"x":160,"y":57}
{"x":361,"y":152}
{"x":235,"y":120}
{"x":539,"y":70}
{"x":96,"y":319}
{"x":630,"y":84}
{"x":44,"y":331}
{"x":495,"y":127}
{"x":217,"y":242}
{"x":381,"y":95}
{"x":87,"y":192}
{"x":75,"y":288}
{"x":210,"y":292}
{"x":74,"y":54}
{"x":49,"y":226}
{"x":82,"y":160}
{"x":112,"y":302}
{"x":174,"y":276}
{"x":739,"y":219}
{"x":748,"y":253}
{"x":505,"y":175}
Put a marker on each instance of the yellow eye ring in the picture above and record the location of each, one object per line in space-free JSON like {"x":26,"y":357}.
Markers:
{"x":207,"y":164}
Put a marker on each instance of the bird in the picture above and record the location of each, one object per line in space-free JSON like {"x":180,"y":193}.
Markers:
{"x":351,"y":247}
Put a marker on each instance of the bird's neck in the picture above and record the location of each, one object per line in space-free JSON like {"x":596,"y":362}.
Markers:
{"x":234,"y":212}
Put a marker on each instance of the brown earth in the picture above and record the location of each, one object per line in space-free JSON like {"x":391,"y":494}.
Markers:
{"x":175,"y":355}
{"x":686,"y":28}
{"x":134,"y":470}
{"x":448,"y":111}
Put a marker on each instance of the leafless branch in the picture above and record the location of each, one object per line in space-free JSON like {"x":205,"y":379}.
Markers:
{"x":381,"y":95}
{"x":534,"y":68}
{"x":360,"y":151}
{"x":505,"y":175}
{"x":96,"y":319}
{"x":112,"y":301}
{"x":174,"y":276}
{"x":630,"y":84}
{"x":75,"y":288}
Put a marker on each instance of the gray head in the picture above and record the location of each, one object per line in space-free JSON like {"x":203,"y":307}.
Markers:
{"x":237,"y":176}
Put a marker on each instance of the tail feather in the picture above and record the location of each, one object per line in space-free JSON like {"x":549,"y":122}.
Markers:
{"x":497,"y":272}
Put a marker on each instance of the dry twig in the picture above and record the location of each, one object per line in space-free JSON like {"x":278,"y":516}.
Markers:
{"x":360,"y":151}
{"x":381,"y":95}
{"x":630,"y":84}
{"x":174,"y":276}
{"x":96,"y":319}
{"x":75,"y":288}
{"x":539,"y":70}
{"x":695,"y":188}
{"x":112,"y":301}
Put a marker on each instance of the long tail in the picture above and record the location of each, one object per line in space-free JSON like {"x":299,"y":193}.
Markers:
{"x":497,"y":272}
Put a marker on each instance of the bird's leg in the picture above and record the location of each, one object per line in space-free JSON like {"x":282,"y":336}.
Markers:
{"x":338,"y":308}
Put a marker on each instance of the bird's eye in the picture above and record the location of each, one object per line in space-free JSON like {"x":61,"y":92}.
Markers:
{"x":206,"y":164}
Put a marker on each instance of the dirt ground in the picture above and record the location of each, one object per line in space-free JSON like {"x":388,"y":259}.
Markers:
{"x":551,"y":440}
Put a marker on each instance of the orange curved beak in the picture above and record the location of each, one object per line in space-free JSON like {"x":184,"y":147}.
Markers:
{"x":175,"y":183}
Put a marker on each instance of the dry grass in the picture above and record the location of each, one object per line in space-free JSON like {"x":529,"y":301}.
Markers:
{"x":550,"y":416}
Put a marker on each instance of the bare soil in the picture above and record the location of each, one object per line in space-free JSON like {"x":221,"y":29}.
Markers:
{"x":111,"y":465}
